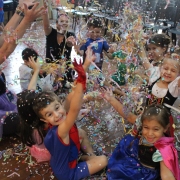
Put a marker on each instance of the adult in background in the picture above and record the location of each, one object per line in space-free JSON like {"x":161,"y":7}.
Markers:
{"x":59,"y":42}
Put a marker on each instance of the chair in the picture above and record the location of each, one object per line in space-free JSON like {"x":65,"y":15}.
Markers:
{"x":176,"y":30}
{"x":8,"y":6}
{"x":164,"y":19}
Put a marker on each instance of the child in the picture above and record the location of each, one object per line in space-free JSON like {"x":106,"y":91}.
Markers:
{"x":157,"y":47}
{"x":63,"y":140}
{"x":32,"y":131}
{"x":98,"y":44}
{"x":25,"y":72}
{"x":150,"y":155}
{"x":9,"y":120}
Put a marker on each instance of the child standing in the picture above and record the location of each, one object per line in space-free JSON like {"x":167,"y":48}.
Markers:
{"x":98,"y":44}
{"x":157,"y":47}
{"x":64,"y":140}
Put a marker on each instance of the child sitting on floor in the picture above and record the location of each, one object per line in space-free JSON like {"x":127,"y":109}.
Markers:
{"x":64,"y":139}
{"x":26,"y":71}
{"x":147,"y":153}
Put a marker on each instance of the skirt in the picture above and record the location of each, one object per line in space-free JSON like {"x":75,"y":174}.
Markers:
{"x":124,"y":163}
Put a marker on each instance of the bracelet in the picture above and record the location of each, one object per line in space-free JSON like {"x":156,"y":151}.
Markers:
{"x":20,"y":11}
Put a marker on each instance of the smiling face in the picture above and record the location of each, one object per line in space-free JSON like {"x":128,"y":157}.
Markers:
{"x":62,"y":23}
{"x":169,"y":70}
{"x":94,"y":33}
{"x":54,"y":113}
{"x":152,"y":131}
{"x":156,"y":52}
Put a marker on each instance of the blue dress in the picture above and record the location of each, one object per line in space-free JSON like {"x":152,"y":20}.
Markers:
{"x":1,"y":12}
{"x":124,"y":163}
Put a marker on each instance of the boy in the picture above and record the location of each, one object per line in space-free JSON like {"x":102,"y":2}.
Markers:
{"x":25,"y":72}
{"x":64,"y":139}
{"x":97,"y":43}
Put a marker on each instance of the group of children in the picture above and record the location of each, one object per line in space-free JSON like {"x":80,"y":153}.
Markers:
{"x":48,"y":127}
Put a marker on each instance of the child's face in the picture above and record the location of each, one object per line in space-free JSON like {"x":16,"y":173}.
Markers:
{"x":54,"y":113}
{"x":155,"y":52}
{"x":169,"y":70}
{"x":152,"y":130}
{"x":94,"y":33}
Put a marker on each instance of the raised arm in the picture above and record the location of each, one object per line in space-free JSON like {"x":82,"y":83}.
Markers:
{"x":45,"y":17}
{"x":108,"y":95}
{"x":16,"y":18}
{"x":30,"y":15}
{"x":36,"y":68}
{"x":76,"y":101}
{"x":142,"y":54}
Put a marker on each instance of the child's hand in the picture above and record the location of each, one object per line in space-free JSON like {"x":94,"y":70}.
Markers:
{"x":71,"y":41}
{"x":33,"y":64}
{"x":106,"y":93}
{"x":81,"y":74}
{"x":90,"y":57}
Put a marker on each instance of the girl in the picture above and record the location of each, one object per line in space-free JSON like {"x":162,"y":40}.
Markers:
{"x":32,"y":131}
{"x":9,"y":120}
{"x":157,"y":47}
{"x":150,"y":155}
{"x":143,"y":156}
{"x":164,"y":81}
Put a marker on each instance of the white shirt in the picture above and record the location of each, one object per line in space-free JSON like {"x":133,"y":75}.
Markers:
{"x":154,"y":75}
{"x":25,"y":76}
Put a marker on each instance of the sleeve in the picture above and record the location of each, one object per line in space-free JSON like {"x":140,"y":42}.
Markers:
{"x":173,"y":87}
{"x":84,"y":47}
{"x":24,"y":76}
{"x":157,"y":156}
{"x":46,"y":84}
{"x":153,"y":73}
{"x":105,"y":46}
{"x":52,"y":34}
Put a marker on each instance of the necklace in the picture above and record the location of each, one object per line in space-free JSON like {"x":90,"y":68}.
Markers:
{"x":64,"y":40}
{"x":158,"y":63}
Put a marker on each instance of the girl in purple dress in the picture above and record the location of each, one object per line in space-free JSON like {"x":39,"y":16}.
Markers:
{"x":8,"y":111}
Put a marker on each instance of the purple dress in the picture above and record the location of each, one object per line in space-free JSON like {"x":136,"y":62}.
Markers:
{"x":1,"y":12}
{"x":8,"y":109}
